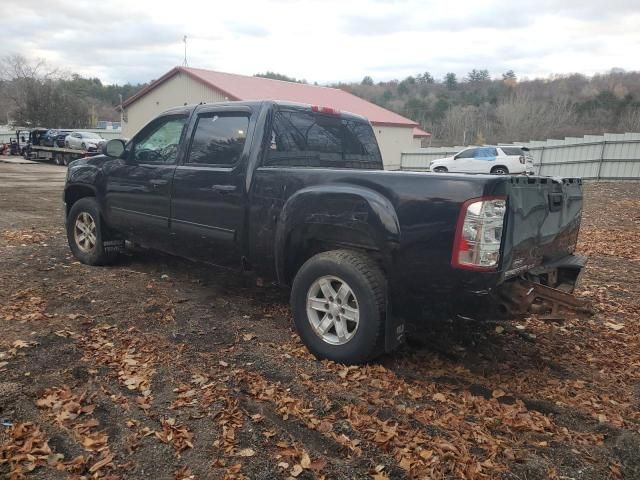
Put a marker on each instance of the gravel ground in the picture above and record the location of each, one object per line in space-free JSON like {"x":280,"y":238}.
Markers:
{"x":160,"y":368}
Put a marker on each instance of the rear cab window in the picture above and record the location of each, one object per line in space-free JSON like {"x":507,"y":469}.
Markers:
{"x":302,"y":138}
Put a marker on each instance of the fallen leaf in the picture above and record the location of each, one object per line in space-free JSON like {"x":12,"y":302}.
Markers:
{"x":405,"y":464}
{"x":426,"y":454}
{"x":614,"y":326}
{"x":101,"y":463}
{"x":247,"y":452}
{"x":439,"y":397}
{"x":296,"y":470}
{"x":380,"y":476}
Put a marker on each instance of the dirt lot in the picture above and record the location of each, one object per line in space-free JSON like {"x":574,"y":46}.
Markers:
{"x":157,"y":368}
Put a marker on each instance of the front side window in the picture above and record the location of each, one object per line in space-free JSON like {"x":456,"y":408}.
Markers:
{"x":309,"y":139}
{"x":158,"y":143}
{"x":219,"y":139}
{"x":470,"y":153}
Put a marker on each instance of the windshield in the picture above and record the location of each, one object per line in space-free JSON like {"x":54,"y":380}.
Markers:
{"x":90,"y":135}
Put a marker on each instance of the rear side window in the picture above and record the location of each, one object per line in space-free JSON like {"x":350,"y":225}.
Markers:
{"x":512,"y":151}
{"x":309,"y":139}
{"x":218,"y":139}
{"x":485,"y":153}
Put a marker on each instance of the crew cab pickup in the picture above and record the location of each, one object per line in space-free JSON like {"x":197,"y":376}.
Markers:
{"x":298,"y":194}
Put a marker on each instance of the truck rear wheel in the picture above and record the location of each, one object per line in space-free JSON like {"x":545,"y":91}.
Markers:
{"x":339,"y":303}
{"x":86,"y":234}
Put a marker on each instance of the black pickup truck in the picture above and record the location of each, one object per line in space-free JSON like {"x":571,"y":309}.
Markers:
{"x":298,"y":194}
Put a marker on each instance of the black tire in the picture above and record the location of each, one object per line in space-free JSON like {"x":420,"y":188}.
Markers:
{"x":90,"y":256}
{"x":500,"y":170}
{"x":366,"y":280}
{"x":440,"y":170}
{"x":65,"y":160}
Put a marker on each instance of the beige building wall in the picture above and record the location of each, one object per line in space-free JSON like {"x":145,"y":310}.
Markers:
{"x":176,"y":91}
{"x":181,"y":89}
{"x":393,"y":141}
{"x":417,"y":142}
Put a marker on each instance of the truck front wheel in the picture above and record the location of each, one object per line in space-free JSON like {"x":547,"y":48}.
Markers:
{"x":339,"y":303}
{"x":86,"y":234}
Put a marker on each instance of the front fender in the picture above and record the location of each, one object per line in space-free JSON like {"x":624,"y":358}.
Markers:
{"x":83,"y":179}
{"x":336,"y":214}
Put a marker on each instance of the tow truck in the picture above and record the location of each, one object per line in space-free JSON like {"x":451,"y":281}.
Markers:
{"x":28,"y":144}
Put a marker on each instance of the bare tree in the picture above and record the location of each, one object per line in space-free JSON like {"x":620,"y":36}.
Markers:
{"x":630,"y":120}
{"x":519,"y":117}
{"x":35,"y":95}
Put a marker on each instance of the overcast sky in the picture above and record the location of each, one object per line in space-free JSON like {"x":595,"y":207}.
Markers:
{"x":325,"y":40}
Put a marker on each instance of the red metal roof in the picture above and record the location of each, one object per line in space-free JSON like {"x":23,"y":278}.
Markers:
{"x":418,"y":132}
{"x":242,"y":87}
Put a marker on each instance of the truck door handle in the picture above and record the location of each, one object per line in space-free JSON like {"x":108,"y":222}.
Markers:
{"x":158,"y":183}
{"x":223,"y":189}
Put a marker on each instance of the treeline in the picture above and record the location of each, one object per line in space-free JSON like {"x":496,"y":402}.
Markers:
{"x":476,"y":108}
{"x":480,"y":109}
{"x":34,"y":94}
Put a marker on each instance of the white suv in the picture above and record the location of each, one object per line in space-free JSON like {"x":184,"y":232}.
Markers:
{"x":498,"y":160}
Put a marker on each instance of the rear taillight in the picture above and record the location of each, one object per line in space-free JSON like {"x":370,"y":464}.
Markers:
{"x":522,"y":159}
{"x":479,"y":234}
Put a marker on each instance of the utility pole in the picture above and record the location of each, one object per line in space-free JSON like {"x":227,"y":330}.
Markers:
{"x":121,"y":111}
{"x":184,"y":63}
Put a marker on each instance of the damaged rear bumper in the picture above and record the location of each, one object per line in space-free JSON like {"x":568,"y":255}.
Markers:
{"x":547,"y":288}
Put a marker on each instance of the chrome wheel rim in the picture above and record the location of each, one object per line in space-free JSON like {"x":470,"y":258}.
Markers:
{"x":332,"y":310}
{"x":84,"y":232}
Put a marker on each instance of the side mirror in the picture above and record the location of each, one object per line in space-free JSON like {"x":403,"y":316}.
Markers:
{"x":114,"y":148}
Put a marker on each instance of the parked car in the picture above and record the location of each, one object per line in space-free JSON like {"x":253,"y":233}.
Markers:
{"x":49,"y":138}
{"x":88,"y":141}
{"x":498,"y":160}
{"x":60,"y":138}
{"x":298,"y":194}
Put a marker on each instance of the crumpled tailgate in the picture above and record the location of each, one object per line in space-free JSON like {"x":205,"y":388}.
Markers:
{"x":542,"y":223}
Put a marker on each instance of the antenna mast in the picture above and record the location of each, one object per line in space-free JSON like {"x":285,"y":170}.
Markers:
{"x":184,"y":63}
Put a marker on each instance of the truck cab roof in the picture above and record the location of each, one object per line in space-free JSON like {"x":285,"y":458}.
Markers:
{"x":255,"y":104}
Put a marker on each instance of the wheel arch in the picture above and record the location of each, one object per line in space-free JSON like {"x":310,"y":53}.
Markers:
{"x":495,"y":167}
{"x":327,"y":217}
{"x":73,"y":193}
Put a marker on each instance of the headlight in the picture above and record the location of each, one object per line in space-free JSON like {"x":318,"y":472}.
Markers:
{"x":479,"y":234}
